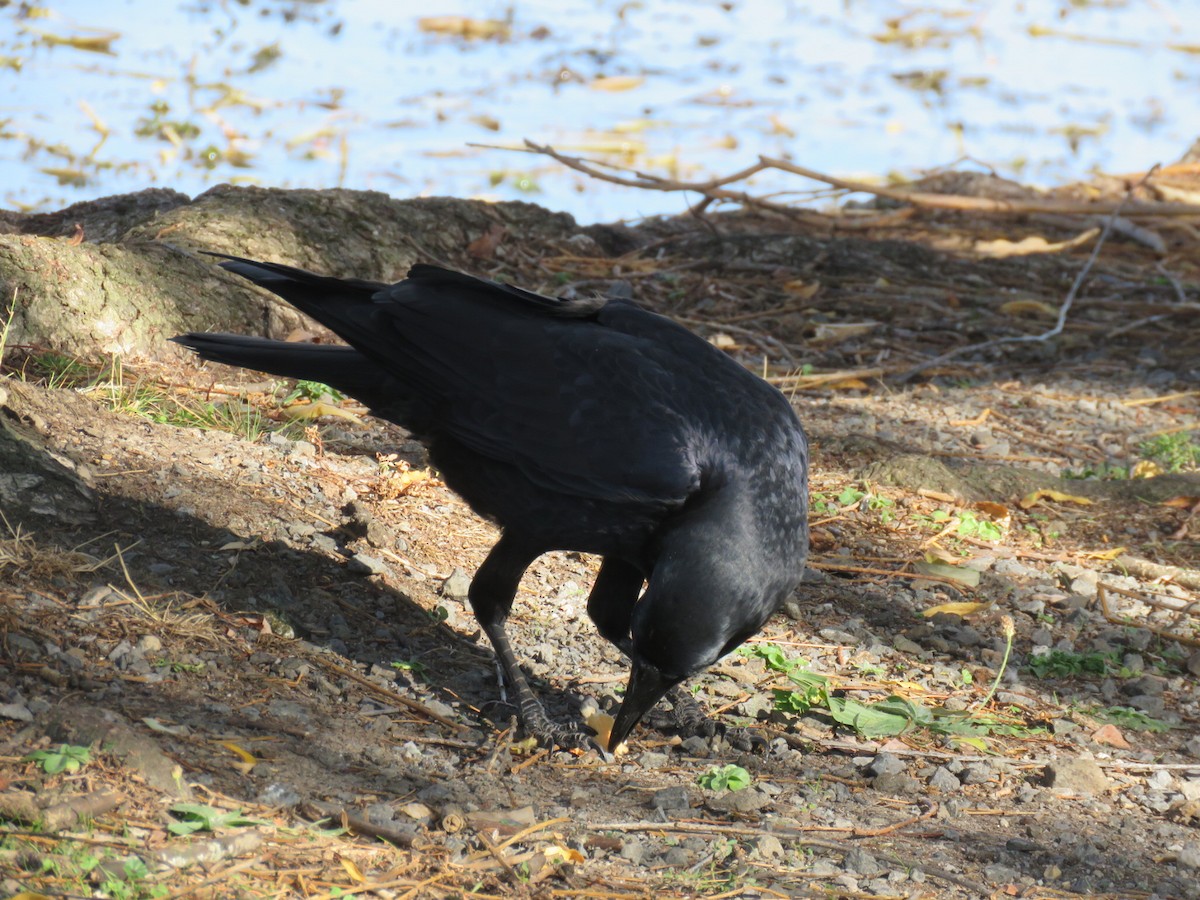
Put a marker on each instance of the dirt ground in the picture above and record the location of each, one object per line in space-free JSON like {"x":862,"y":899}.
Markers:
{"x":264,"y":618}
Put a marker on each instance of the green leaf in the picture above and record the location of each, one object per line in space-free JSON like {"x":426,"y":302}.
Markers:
{"x":867,"y":720}
{"x":67,"y":758}
{"x":725,"y":778}
{"x":197,"y":817}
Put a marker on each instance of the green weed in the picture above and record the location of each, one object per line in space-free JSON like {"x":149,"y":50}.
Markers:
{"x":1175,"y":452}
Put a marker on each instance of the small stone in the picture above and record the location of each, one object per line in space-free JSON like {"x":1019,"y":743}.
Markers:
{"x":978,"y":773}
{"x":324,"y":543}
{"x":768,"y":847}
{"x":1000,"y":874}
{"x":744,"y":801}
{"x":904,"y":645}
{"x":289,"y":710}
{"x":861,"y":862}
{"x":895,"y":783}
{"x":1041,"y":637}
{"x":149,"y":643}
{"x":1193,"y":663}
{"x":1188,"y":856}
{"x":1080,"y":777}
{"x":364,"y":564}
{"x":942,"y":780}
{"x":1146,"y":684}
{"x":279,"y":796}
{"x":1160,"y":781}
{"x":1084,"y":584}
{"x":886,"y":764}
{"x":696,"y":746}
{"x":457,"y":585}
{"x":671,"y":798}
{"x":18,"y":712}
{"x":677,"y":857}
{"x":633,"y":851}
{"x":1150,"y":704}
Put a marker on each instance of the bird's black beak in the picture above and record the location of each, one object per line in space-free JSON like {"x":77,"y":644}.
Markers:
{"x":646,"y":687}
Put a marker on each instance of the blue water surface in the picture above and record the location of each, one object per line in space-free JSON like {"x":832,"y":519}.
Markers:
{"x":365,"y":94}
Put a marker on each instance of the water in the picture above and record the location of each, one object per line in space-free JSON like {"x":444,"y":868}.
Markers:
{"x":356,"y":94}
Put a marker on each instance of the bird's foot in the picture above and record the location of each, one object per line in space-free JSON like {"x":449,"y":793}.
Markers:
{"x":690,"y":720}
{"x":551,"y":734}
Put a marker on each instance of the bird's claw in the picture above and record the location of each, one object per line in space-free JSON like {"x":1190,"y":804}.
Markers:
{"x":691,"y":720}
{"x":550,"y":734}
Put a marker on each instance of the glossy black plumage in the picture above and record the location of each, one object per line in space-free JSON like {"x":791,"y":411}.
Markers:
{"x":575,"y":425}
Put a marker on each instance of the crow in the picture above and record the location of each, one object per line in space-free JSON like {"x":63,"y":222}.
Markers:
{"x":590,"y":425}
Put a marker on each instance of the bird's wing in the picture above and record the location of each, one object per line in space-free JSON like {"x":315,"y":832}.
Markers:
{"x":577,"y":406}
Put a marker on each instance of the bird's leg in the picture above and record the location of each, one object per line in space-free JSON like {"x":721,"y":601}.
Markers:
{"x":491,"y":595}
{"x":610,"y":604}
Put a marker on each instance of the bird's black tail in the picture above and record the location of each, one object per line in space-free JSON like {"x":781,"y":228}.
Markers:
{"x":340,"y":367}
{"x":340,"y":304}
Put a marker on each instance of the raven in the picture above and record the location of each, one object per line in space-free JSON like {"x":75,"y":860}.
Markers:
{"x":585,"y":424}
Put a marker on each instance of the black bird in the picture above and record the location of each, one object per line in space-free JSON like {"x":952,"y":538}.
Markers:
{"x":587,"y":425}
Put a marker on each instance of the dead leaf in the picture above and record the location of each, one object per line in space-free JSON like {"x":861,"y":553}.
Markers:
{"x":1028,"y":307}
{"x":92,"y":43}
{"x":723,"y":341}
{"x":835,"y":332}
{"x":805,"y":290}
{"x":616,"y":83}
{"x":975,"y":422}
{"x":849,"y":384}
{"x":484,"y":246}
{"x":238,"y":546}
{"x":465,"y":27}
{"x":997,"y":511}
{"x":1110,"y":735}
{"x":957,"y":609}
{"x":778,"y":126}
{"x":246,"y":759}
{"x":602,"y":724}
{"x":1032,"y":498}
{"x":77,"y":238}
{"x":1146,"y":468}
{"x":317,"y":409}
{"x":1108,"y":555}
{"x":958,"y":574}
{"x":352,"y":870}
{"x":491,"y":123}
{"x":175,"y":730}
{"x":1182,"y":502}
{"x":937,"y":554}
{"x":1002,"y":248}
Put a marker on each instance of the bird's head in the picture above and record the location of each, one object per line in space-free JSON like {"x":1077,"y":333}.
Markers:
{"x":700,"y":604}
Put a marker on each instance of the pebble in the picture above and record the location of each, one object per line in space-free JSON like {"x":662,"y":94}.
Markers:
{"x":886,"y":764}
{"x":633,"y":851}
{"x":1080,"y":777}
{"x":456,"y":586}
{"x":768,"y":847}
{"x":895,"y":783}
{"x":743,"y":801}
{"x":942,"y":780}
{"x":364,"y":564}
{"x":279,"y":796}
{"x":676,"y":857}
{"x":18,"y":712}
{"x":860,"y":862}
{"x":671,"y":798}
